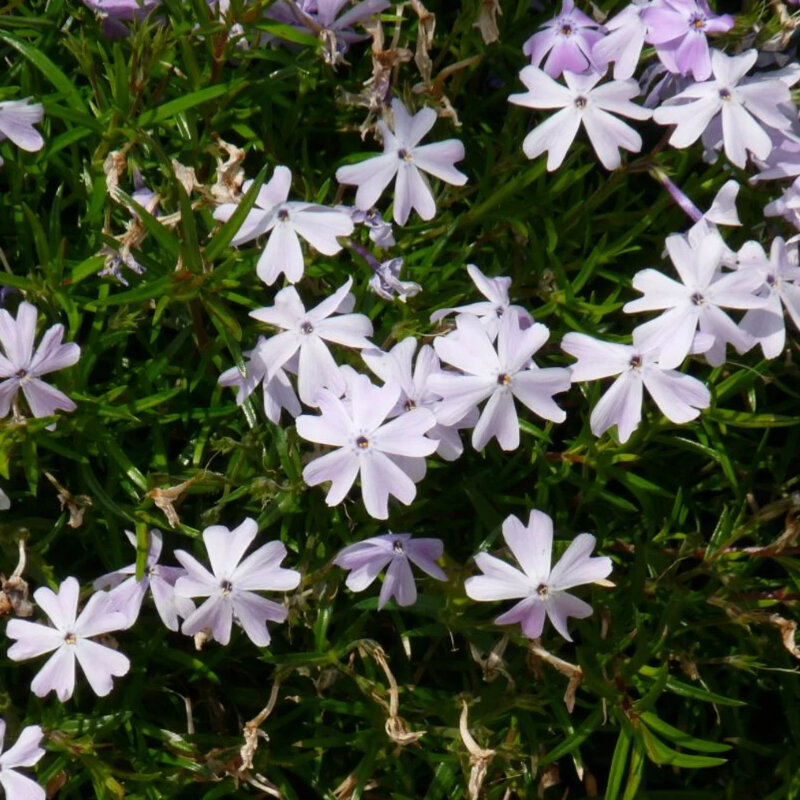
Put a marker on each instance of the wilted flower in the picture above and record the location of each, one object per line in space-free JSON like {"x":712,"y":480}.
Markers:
{"x":695,"y":303}
{"x":17,"y":118}
{"x":679,"y":397}
{"x":580,"y":101}
{"x":21,"y":368}
{"x":780,"y":288}
{"x":305,"y":332}
{"x":543,"y":589}
{"x":128,"y":593}
{"x":25,"y":753}
{"x":492,"y":310}
{"x":70,"y":638}
{"x":318,"y":225}
{"x":231,"y":588}
{"x":367,"y":444}
{"x":366,"y":559}
{"x":567,"y":41}
{"x":741,"y":108}
{"x":405,"y":158}
{"x":386,"y":283}
{"x":678,"y":29}
{"x":500,"y":375}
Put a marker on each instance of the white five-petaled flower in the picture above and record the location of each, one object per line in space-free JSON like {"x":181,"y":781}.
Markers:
{"x":70,"y":638}
{"x":741,"y":108}
{"x":680,"y":397}
{"x":21,"y":368}
{"x":395,"y":366}
{"x":128,"y":594}
{"x":542,"y":589}
{"x":780,"y":289}
{"x":366,"y":559}
{"x":404,"y":157}
{"x":694,"y":303}
{"x":25,"y":753}
{"x":624,"y":39}
{"x":318,"y":225}
{"x":305,"y":332}
{"x":279,"y":393}
{"x":500,"y":374}
{"x":231,"y":589}
{"x":17,"y":118}
{"x":491,"y":310}
{"x":367,"y":444}
{"x":580,"y":101}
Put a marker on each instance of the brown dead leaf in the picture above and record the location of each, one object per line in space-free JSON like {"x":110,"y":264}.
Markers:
{"x":425,"y":32}
{"x":75,"y":504}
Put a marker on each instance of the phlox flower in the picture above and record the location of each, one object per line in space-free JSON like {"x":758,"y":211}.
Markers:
{"x":366,"y":559}
{"x":567,"y":41}
{"x":723,"y":207}
{"x":25,"y":753}
{"x":404,"y":158}
{"x":395,"y":367}
{"x":542,"y":589}
{"x":286,"y":220}
{"x":22,"y":368}
{"x":278,"y":391}
{"x":366,"y":444}
{"x":70,"y":638}
{"x":780,"y":288}
{"x":491,"y":310}
{"x":305,"y":333}
{"x":500,"y":374}
{"x":624,"y":39}
{"x":742,"y":108}
{"x":787,"y":205}
{"x":386,"y":283}
{"x":678,"y":29}
{"x":784,"y":158}
{"x":581,"y":102}
{"x":679,"y":397}
{"x":17,"y":118}
{"x":128,"y":594}
{"x":694,"y":303}
{"x":231,"y":587}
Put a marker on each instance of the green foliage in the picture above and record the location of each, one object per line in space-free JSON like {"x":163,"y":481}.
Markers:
{"x":687,"y":691}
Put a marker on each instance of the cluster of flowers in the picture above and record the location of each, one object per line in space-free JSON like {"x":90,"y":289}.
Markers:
{"x":741,"y":114}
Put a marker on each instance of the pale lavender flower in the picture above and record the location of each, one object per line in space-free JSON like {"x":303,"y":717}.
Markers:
{"x":128,"y":594}
{"x":787,"y":205}
{"x":322,"y":18}
{"x":499,"y":374}
{"x":784,"y":158}
{"x":305,"y":333}
{"x":395,"y":367}
{"x":679,"y":397}
{"x":285,"y":221}
{"x":494,"y":308}
{"x":567,"y":41}
{"x":231,"y":589}
{"x":367,"y":445}
{"x":70,"y":638}
{"x":366,"y":559}
{"x":380,"y":231}
{"x":278,"y":391}
{"x":742,"y":109}
{"x":25,"y":753}
{"x":580,"y":101}
{"x":624,"y":39}
{"x":678,"y":29}
{"x":17,"y":118}
{"x":780,"y":288}
{"x":21,"y":368}
{"x":404,"y":158}
{"x":723,"y":207}
{"x":696,"y":302}
{"x":543,"y":589}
